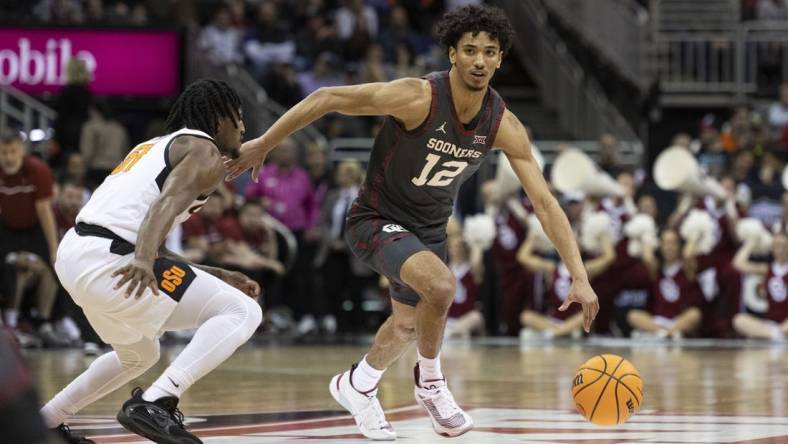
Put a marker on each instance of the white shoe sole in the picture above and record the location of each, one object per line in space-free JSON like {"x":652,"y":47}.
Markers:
{"x":442,"y":431}
{"x":341,"y":400}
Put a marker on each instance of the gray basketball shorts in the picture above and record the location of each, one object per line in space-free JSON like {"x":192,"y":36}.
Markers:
{"x":384,"y":246}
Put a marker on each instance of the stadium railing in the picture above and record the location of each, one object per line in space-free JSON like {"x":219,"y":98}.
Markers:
{"x":21,"y":111}
{"x":618,"y":29}
{"x":582,"y":107}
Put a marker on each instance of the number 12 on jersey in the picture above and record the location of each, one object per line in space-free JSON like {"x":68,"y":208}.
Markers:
{"x":441,"y":178}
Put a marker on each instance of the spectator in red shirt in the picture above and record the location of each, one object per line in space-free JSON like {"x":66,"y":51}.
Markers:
{"x":27,"y":222}
{"x":202,"y":239}
{"x":251,"y":242}
{"x":69,"y":201}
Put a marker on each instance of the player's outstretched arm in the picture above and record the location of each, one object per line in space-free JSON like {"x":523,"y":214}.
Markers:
{"x":197,"y":169}
{"x":512,"y":138}
{"x":408,"y":100}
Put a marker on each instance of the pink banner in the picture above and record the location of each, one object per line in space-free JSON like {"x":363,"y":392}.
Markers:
{"x":121,"y":62}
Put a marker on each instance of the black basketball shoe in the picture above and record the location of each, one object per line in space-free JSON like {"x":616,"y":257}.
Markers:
{"x":160,"y":420}
{"x":63,"y":432}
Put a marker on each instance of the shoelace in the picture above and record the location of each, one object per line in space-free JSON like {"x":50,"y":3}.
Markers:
{"x":177,"y":416}
{"x":171,"y":407}
{"x":444,"y":402}
{"x":374,"y":411}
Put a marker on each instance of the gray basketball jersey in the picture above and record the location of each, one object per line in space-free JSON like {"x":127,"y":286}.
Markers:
{"x":413,"y":176}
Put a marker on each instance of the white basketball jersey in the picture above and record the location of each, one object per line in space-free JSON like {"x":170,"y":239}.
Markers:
{"x":121,"y":202}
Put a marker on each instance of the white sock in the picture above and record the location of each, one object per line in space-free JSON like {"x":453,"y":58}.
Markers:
{"x":173,"y":382}
{"x":430,"y":368}
{"x":365,"y":377}
{"x":154,"y":392}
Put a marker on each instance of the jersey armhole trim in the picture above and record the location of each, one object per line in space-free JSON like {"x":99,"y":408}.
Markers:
{"x":496,"y":123}
{"x":419,"y":130}
{"x":167,"y":148}
{"x":165,"y":172}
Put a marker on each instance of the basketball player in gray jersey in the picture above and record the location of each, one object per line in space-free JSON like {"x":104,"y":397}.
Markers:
{"x":437,"y":131}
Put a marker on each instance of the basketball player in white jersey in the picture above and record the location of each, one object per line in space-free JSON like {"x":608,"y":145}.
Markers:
{"x":114,"y":266}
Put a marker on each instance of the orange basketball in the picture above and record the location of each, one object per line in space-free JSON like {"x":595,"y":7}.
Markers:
{"x":607,"y":390}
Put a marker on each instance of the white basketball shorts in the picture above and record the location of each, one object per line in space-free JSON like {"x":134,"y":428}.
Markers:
{"x":85,"y":264}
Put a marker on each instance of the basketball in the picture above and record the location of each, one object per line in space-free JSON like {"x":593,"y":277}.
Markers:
{"x":607,"y":390}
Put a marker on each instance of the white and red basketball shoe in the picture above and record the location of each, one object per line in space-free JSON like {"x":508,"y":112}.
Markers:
{"x":364,"y":407}
{"x":448,"y":419}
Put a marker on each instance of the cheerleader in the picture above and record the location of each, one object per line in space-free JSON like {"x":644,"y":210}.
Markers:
{"x":676,"y":294}
{"x":570,"y":321}
{"x":774,"y":323}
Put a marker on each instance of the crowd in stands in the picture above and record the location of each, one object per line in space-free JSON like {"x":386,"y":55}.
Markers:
{"x":286,"y":230}
{"x":294,"y":48}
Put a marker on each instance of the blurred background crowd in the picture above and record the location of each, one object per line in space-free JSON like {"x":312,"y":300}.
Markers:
{"x":705,"y":256}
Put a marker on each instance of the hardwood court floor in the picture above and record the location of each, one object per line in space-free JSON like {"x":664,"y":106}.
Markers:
{"x":515,"y":392}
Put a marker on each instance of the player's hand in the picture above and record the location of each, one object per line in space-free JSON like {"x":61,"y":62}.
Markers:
{"x":277,"y":267}
{"x":251,"y":156}
{"x":582,"y":293}
{"x":242,"y":282}
{"x":139,"y":276}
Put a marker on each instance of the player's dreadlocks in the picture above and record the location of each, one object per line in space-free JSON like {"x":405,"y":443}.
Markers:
{"x":201,"y":106}
{"x":475,"y":19}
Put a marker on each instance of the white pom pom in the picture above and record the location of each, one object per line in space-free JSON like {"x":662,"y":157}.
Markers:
{"x":594,"y":225}
{"x":639,"y":230}
{"x":640,"y":225}
{"x":479,"y":231}
{"x":749,"y":228}
{"x":699,"y":226}
{"x":542,"y":243}
{"x":752,"y":230}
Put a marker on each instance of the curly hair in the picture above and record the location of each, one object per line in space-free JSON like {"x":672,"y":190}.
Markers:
{"x":475,"y":19}
{"x":201,"y":106}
